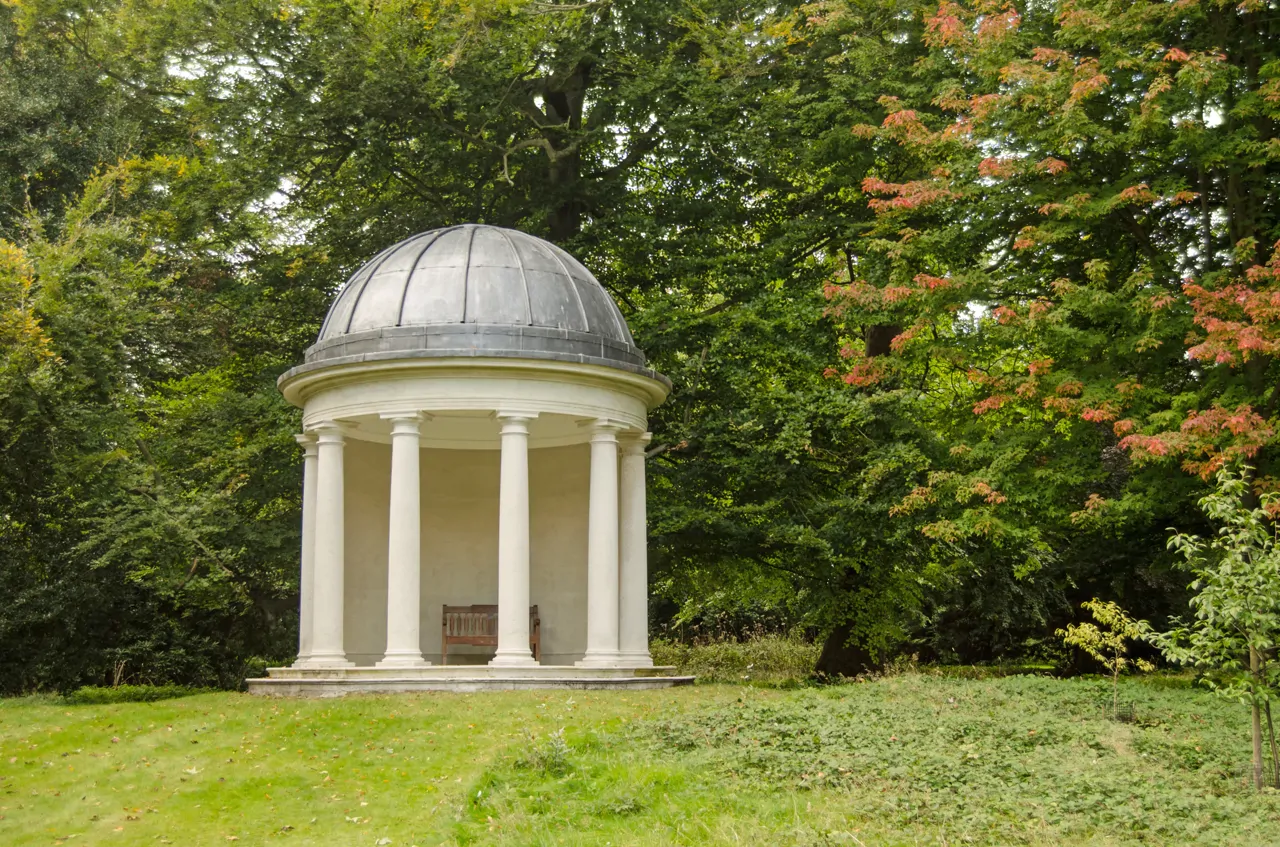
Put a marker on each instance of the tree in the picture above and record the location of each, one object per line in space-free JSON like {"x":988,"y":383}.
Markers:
{"x":1236,"y":629}
{"x":1107,"y":641}
{"x":138,"y":472}
{"x":1072,"y":245}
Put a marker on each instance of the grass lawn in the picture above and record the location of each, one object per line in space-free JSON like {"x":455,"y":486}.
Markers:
{"x":912,"y":759}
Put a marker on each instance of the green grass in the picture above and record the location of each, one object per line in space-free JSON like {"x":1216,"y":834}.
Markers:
{"x":909,"y":759}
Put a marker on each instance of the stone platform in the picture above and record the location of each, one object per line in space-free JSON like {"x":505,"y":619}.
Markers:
{"x":335,"y":682}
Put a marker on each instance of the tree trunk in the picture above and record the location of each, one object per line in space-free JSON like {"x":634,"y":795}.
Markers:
{"x":566,"y":99}
{"x":1115,"y":692}
{"x":1255,"y":663}
{"x":878,"y":338}
{"x":1275,"y":751}
{"x":840,"y":658}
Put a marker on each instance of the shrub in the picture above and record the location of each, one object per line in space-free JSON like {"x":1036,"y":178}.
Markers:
{"x":551,"y":757}
{"x":255,"y":667}
{"x":91,"y":695}
{"x":1107,"y":642}
{"x":767,"y":659}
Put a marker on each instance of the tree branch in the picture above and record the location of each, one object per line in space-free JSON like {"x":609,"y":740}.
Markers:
{"x":554,"y":154}
{"x":638,"y":151}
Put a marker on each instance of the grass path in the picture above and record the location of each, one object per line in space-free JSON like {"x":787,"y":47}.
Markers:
{"x":909,"y":760}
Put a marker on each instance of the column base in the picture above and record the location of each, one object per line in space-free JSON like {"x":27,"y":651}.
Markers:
{"x":599,"y":660}
{"x":318,"y":660}
{"x":402,"y":660}
{"x":513,"y":660}
{"x":635,"y":660}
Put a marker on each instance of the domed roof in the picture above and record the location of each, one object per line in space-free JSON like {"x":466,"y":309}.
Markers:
{"x":475,"y":290}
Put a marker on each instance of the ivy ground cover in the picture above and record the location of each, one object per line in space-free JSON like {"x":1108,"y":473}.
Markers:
{"x":912,"y":759}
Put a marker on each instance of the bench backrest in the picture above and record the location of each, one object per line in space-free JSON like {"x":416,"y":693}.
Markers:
{"x":476,"y":621}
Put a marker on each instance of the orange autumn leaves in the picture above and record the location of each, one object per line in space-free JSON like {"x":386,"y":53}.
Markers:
{"x":859,"y":295}
{"x":1240,"y":318}
{"x":1238,"y":321}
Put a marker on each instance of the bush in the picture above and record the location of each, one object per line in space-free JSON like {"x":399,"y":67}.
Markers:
{"x":995,"y":670}
{"x":767,"y":659}
{"x":255,"y":667}
{"x":550,"y":757}
{"x":93,"y":695}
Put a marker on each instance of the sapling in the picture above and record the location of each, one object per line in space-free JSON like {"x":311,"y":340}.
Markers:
{"x":1108,"y":641}
{"x":1236,"y":629}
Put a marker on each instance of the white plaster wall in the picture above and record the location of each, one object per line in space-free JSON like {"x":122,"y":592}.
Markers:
{"x":366,"y":499}
{"x":460,"y":545}
{"x":559,"y":483}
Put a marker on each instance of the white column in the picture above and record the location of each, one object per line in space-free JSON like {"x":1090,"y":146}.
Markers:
{"x":513,"y":542}
{"x":404,"y":546}
{"x":633,"y":564}
{"x":602,"y":549}
{"x":326,"y":645}
{"x":306,"y":585}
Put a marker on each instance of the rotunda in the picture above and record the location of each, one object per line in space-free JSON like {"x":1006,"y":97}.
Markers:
{"x":474,"y":429}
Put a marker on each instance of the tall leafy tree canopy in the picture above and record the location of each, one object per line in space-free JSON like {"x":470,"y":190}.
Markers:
{"x":962,"y":301}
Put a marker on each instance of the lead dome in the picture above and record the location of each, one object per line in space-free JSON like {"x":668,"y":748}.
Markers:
{"x":475,"y":290}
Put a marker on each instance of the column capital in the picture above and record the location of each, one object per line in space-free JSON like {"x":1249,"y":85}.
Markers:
{"x":633,"y":441}
{"x":419,"y":417}
{"x":329,"y":432}
{"x":405,"y":423}
{"x":604,"y":429}
{"x":514,"y":422}
{"x":307,"y":441}
{"x":514,"y":415}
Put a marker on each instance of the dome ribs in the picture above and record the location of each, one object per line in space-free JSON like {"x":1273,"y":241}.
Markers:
{"x":413,"y":268}
{"x":370,"y":266}
{"x":382,"y":260}
{"x":466,"y":273}
{"x":475,"y":291}
{"x":573,"y":286}
{"x":524,"y":277}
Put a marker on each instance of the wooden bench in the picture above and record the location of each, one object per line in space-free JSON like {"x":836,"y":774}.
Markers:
{"x":478,"y":626}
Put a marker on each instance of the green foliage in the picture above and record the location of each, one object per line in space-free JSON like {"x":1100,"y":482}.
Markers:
{"x":1017,"y":279}
{"x":693,"y":154}
{"x":131,"y":492}
{"x":63,"y":119}
{"x":947,"y":293}
{"x":549,"y":756}
{"x":1016,"y":760}
{"x":761,"y":660}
